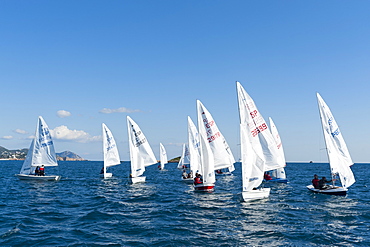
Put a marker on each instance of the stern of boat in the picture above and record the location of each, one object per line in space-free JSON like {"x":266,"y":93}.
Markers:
{"x":204,"y":187}
{"x":256,"y":194}
{"x":137,"y":180}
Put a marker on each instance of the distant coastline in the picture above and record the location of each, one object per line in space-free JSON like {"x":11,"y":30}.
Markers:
{"x":20,"y":154}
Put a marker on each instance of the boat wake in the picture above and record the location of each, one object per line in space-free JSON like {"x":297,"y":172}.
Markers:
{"x":11,"y":231}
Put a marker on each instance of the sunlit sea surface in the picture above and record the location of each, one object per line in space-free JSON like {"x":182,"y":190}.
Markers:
{"x":84,"y":210}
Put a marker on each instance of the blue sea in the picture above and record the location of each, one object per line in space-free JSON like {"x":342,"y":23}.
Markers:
{"x":84,"y":210}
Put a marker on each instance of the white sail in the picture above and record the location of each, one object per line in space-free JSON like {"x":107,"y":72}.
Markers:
{"x":41,"y":151}
{"x":194,"y":147}
{"x":207,"y":162}
{"x":338,"y":154}
{"x":141,"y":154}
{"x":280,"y":172}
{"x":223,"y":157}
{"x":270,"y":151}
{"x":110,"y":150}
{"x":184,"y":159}
{"x":163,"y":155}
{"x":253,"y":159}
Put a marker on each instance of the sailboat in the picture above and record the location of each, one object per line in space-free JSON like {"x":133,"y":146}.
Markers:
{"x":339,"y":158}
{"x":40,"y":154}
{"x":277,"y":175}
{"x":207,"y":169}
{"x":184,"y":159}
{"x":110,"y":151}
{"x":223,"y":157}
{"x":141,"y":154}
{"x":194,"y":151}
{"x":258,"y":149}
{"x":162,"y":156}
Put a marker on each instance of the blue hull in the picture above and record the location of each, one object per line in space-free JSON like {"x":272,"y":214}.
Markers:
{"x":277,"y":180}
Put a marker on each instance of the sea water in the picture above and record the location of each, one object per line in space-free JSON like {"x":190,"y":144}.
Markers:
{"x":84,"y":210}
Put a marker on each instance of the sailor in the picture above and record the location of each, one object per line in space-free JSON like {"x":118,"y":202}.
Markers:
{"x":197,"y":179}
{"x":184,"y":174}
{"x":323,"y":182}
{"x":42,"y":170}
{"x":267,"y":176}
{"x":315,"y":181}
{"x":37,"y":171}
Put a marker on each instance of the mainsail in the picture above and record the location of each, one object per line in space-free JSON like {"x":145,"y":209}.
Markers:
{"x":207,"y":162}
{"x":141,"y":154}
{"x":339,"y":158}
{"x":280,"y":172}
{"x":260,"y":129}
{"x":194,"y":147}
{"x":253,"y":159}
{"x":110,"y":150}
{"x":223,"y":157}
{"x":41,"y":151}
{"x":185,"y":157}
{"x":163,"y":155}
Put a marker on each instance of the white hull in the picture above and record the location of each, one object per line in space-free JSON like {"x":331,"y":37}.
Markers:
{"x":187,"y":180}
{"x":223,"y":174}
{"x":38,"y":178}
{"x":137,"y":180}
{"x":107,"y":175}
{"x":255,"y":194}
{"x":204,"y":187}
{"x":331,"y":190}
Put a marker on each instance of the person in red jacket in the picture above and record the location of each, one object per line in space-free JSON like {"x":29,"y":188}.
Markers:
{"x":197,"y":179}
{"x":267,"y":176}
{"x":42,"y":170}
{"x":315,"y":181}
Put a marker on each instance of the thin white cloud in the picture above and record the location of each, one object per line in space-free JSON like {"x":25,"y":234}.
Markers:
{"x":19,"y":131}
{"x":175,"y":144}
{"x":7,"y":137}
{"x":63,"y":113}
{"x":119,"y":110}
{"x":63,"y":133}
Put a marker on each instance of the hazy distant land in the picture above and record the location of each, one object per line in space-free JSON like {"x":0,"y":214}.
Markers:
{"x":20,"y":154}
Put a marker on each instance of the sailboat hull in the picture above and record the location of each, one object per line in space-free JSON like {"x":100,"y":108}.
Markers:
{"x":137,"y":180}
{"x":38,"y":178}
{"x":331,"y":190}
{"x":277,"y":180}
{"x":106,"y":175}
{"x":256,"y":194}
{"x":187,"y":180}
{"x":204,"y":187}
{"x":223,"y":174}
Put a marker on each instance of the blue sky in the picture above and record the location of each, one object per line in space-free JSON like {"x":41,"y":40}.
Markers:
{"x":83,"y":63}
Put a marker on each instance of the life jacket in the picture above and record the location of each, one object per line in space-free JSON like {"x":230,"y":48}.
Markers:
{"x":267,"y":177}
{"x":197,"y":180}
{"x":315,"y":183}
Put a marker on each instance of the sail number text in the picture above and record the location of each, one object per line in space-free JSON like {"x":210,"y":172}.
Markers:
{"x":259,"y":129}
